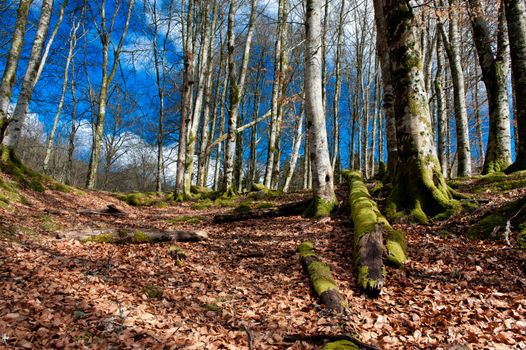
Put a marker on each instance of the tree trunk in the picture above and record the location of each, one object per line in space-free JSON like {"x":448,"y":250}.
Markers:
{"x":51,"y":138}
{"x":494,"y":73}
{"x":516,"y":18}
{"x":382,"y":51}
{"x":187,"y":29}
{"x":9,"y":75}
{"x":295,"y":151}
{"x":418,"y":187}
{"x":452,"y":46}
{"x":236,"y":90}
{"x":107,"y":77}
{"x":17,"y":121}
{"x":441,"y":108}
{"x":323,"y":183}
{"x":203,"y":69}
{"x":73,"y":132}
{"x":276,"y":93}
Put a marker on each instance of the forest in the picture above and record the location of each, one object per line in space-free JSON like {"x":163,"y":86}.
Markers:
{"x":263,"y":174}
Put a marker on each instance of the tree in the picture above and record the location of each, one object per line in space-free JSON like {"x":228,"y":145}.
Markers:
{"x":8,"y":77}
{"x":516,"y":19}
{"x":323,"y":182}
{"x":495,"y":74}
{"x":13,"y":131}
{"x":236,"y":89}
{"x":105,"y":33}
{"x":69,"y":58}
{"x":452,"y":45}
{"x":418,"y":185}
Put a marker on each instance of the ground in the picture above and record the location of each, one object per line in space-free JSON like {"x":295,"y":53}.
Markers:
{"x":244,"y":282}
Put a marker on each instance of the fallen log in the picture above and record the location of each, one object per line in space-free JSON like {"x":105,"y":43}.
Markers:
{"x":321,"y":278}
{"x":370,"y":227}
{"x":289,"y":209}
{"x":125,"y":235}
{"x":331,"y":341}
{"x":111,"y":210}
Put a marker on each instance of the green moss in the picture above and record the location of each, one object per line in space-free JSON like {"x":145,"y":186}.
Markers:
{"x":141,"y":237}
{"x":305,"y":249}
{"x":514,"y":211}
{"x":225,"y":202}
{"x":213,"y":307}
{"x":264,"y":205}
{"x":258,"y":187}
{"x":202,"y":204}
{"x":12,"y":165}
{"x":321,"y":277}
{"x":8,"y":232}
{"x":152,"y":291}
{"x":521,"y":238}
{"x":396,"y":248}
{"x":177,"y":253}
{"x":186,"y":219}
{"x":49,"y":224}
{"x":364,"y":281}
{"x":200,"y":190}
{"x":57,"y":186}
{"x":417,"y":215}
{"x":243,"y":207}
{"x":341,"y":345}
{"x":470,"y":205}
{"x":100,"y":238}
{"x":320,"y":208}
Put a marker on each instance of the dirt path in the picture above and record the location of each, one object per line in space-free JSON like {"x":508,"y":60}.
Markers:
{"x":246,"y":280}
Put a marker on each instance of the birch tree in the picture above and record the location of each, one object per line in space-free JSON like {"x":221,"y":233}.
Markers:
{"x":323,"y":183}
{"x":451,"y":43}
{"x":105,"y":31}
{"x":494,"y":74}
{"x":9,"y":75}
{"x":236,"y":90}
{"x":28,"y":84}
{"x":72,"y":43}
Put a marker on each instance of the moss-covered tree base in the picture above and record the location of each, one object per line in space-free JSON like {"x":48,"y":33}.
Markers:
{"x":494,"y":166}
{"x":12,"y":165}
{"x":321,"y":278}
{"x":320,"y":208}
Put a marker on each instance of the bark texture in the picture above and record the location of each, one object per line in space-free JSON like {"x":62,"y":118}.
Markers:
{"x":516,"y":18}
{"x":28,"y":84}
{"x":321,"y":278}
{"x":419,"y":189}
{"x":9,"y":75}
{"x":322,"y":175}
{"x":369,"y":229}
{"x":494,"y":74}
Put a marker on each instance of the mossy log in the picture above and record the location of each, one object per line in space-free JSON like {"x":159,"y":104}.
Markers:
{"x":331,"y":341}
{"x":290,"y":209}
{"x":370,"y":227}
{"x":321,"y":278}
{"x":124,"y":235}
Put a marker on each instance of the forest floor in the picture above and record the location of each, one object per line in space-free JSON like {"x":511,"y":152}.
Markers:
{"x":245,"y":283}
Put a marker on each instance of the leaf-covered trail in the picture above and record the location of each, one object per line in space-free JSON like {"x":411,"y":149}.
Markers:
{"x":246,"y":281}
